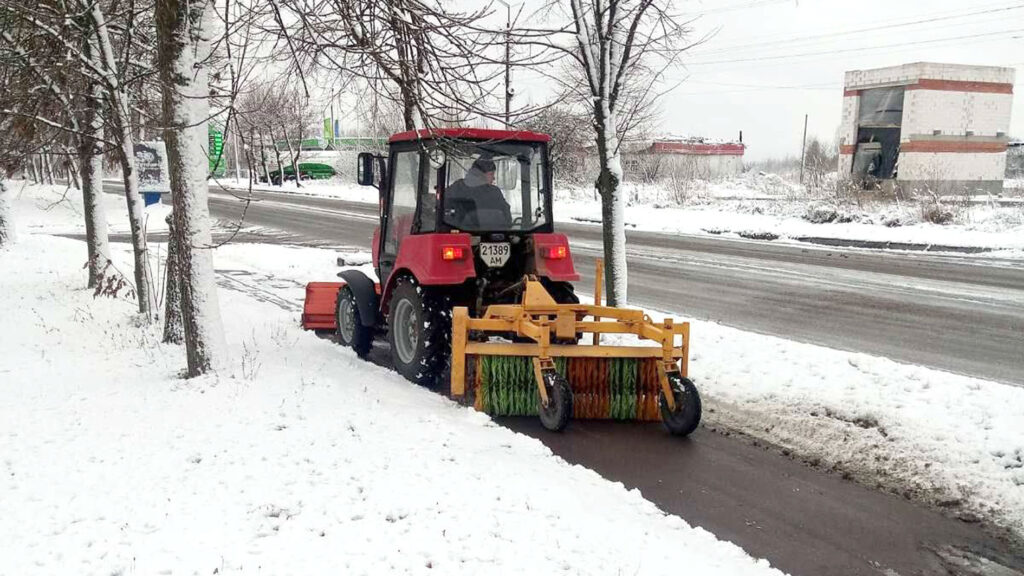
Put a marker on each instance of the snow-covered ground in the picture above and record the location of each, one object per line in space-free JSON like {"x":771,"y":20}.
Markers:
{"x":301,"y":459}
{"x":761,"y":206}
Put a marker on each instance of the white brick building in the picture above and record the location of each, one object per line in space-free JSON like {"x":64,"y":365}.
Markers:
{"x":926,"y":124}
{"x":679,"y":157}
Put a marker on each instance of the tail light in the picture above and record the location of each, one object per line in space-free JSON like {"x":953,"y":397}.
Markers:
{"x":556,"y":252}
{"x":453,"y":253}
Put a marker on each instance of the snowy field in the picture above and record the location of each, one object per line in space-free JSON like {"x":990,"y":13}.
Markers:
{"x":301,"y":459}
{"x":760,"y":206}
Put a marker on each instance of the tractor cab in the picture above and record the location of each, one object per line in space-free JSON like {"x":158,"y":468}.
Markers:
{"x":470,"y":209}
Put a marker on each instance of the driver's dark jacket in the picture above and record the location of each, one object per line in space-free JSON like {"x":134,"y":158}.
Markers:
{"x":476,"y":204}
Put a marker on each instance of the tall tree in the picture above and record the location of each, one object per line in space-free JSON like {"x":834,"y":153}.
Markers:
{"x":183,"y":52}
{"x":424,"y":57}
{"x":80,"y":31}
{"x":616,"y":52}
{"x":56,"y":103}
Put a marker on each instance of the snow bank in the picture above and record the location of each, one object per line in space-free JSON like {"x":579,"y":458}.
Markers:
{"x":995,"y":228}
{"x":301,"y":459}
{"x":760,"y":206}
{"x":330,"y":188}
{"x":57,"y":209}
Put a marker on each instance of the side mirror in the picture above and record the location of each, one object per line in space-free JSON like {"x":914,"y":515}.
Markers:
{"x":364,"y":169}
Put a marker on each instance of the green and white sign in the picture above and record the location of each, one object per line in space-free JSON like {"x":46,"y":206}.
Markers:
{"x":216,"y":152}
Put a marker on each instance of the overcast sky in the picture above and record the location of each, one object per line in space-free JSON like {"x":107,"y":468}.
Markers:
{"x":772,"y":61}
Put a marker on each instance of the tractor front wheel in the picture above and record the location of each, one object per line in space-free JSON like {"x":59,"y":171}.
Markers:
{"x":685,"y":418}
{"x":555,"y":416}
{"x":350,"y":329}
{"x":418,"y":330}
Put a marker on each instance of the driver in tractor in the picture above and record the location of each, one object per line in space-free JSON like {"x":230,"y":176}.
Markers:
{"x":475,"y":203}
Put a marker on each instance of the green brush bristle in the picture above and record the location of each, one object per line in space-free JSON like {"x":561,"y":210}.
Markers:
{"x":507,"y":386}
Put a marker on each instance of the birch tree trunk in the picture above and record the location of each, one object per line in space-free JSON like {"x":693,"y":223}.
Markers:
{"x":277,"y":158}
{"x":91,"y":166}
{"x":48,"y":166}
{"x":6,"y":223}
{"x":263,"y":159}
{"x":72,"y":169}
{"x":183,"y":28}
{"x":293,"y":156}
{"x":613,"y":207}
{"x":174,"y":331}
{"x":136,"y":213}
{"x":32,"y":169}
{"x":121,"y":115}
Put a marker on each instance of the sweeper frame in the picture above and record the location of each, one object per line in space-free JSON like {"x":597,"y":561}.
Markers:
{"x":540,"y":319}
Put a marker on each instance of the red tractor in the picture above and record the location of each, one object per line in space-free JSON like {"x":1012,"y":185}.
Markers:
{"x":465,"y":215}
{"x":466,"y":247}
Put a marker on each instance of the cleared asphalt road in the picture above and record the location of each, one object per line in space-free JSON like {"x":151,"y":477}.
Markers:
{"x":804,"y":521}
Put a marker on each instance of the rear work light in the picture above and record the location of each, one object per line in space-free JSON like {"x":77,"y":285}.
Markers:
{"x":556,"y":252}
{"x":452,"y":253}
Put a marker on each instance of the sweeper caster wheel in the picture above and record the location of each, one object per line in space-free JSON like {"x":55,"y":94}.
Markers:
{"x":555,"y":416}
{"x":350,"y":329}
{"x":685,"y":418}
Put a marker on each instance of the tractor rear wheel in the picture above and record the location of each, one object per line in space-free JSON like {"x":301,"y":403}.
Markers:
{"x":685,"y":418}
{"x":555,"y":416}
{"x":350,"y":329}
{"x":419,"y":328}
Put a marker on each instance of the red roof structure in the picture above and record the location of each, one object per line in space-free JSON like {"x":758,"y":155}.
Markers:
{"x":470,"y":134}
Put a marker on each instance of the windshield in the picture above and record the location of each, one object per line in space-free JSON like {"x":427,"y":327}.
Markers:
{"x":494,"y":186}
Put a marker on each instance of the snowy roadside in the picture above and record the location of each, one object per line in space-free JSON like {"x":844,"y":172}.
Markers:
{"x":302,"y":460}
{"x":737,"y":209}
{"x":952,"y":441}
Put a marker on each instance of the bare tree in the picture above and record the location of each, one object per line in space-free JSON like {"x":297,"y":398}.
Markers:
{"x":418,"y":54}
{"x":570,"y":136}
{"x":57,"y":104}
{"x":184,"y":32}
{"x":616,"y":52}
{"x":82,"y":32}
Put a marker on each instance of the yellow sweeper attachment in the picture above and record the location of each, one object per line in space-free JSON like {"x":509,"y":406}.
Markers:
{"x":551,"y":373}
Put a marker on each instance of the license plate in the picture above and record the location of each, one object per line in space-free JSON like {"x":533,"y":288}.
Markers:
{"x":495,"y":254}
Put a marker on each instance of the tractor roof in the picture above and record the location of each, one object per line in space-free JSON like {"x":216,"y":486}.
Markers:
{"x":470,"y":134}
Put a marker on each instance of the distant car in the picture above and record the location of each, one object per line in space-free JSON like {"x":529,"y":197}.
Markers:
{"x":307,"y":171}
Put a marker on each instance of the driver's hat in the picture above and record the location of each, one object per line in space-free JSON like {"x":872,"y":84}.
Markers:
{"x":484,"y":165}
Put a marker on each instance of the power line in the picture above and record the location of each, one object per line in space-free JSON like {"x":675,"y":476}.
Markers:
{"x":739,"y":6}
{"x":819,"y":86}
{"x":858,"y":49}
{"x":831,"y":35}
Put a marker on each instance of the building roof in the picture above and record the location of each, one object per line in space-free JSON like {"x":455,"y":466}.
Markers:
{"x":697,"y":148}
{"x":914,"y":72}
{"x":470,"y":134}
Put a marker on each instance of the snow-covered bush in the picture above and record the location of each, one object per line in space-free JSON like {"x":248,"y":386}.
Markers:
{"x":936,"y":213}
{"x":820,"y":214}
{"x":6,"y":219}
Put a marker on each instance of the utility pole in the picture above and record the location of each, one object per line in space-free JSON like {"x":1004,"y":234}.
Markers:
{"x":234,"y":146}
{"x":508,"y":63}
{"x":803,"y":151}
